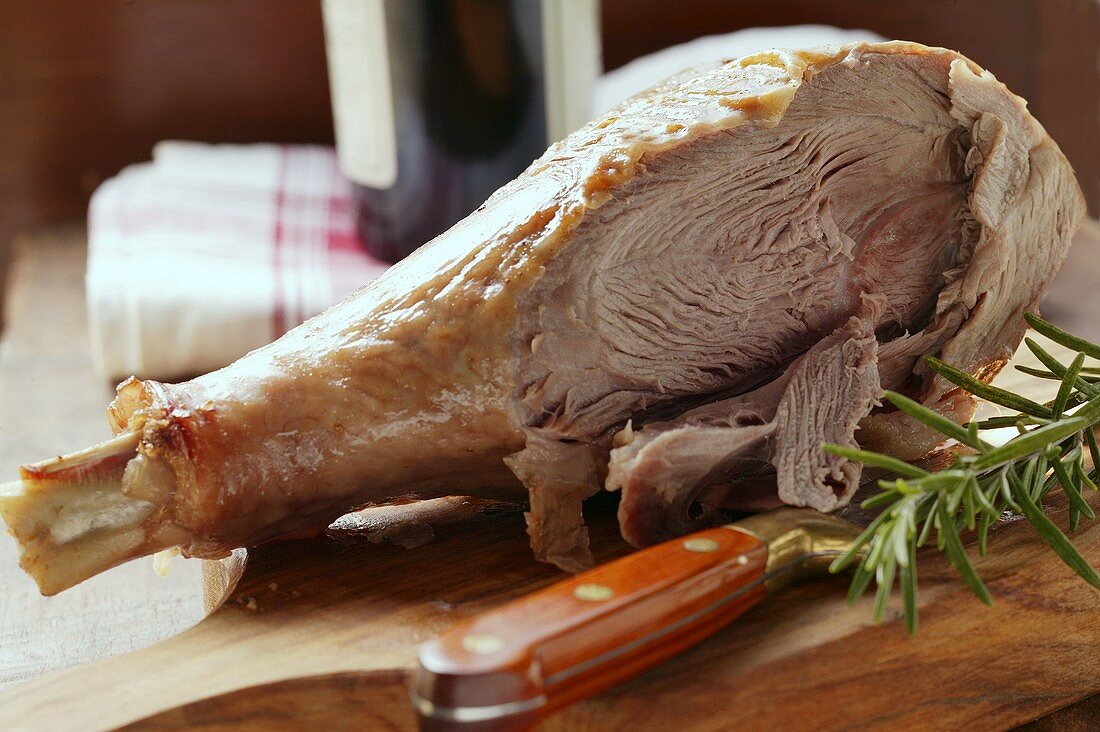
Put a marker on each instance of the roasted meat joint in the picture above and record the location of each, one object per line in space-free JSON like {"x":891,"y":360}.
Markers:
{"x":681,"y":302}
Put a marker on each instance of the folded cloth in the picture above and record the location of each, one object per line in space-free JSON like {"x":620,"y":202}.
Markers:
{"x":210,"y":251}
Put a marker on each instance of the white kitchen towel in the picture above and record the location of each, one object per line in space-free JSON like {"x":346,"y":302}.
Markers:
{"x":210,"y":251}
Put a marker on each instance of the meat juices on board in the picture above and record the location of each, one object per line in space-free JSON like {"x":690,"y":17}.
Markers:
{"x":738,"y":260}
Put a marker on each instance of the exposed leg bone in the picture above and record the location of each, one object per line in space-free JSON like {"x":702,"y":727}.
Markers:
{"x":74,"y":518}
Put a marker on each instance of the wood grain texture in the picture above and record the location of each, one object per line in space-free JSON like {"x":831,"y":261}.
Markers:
{"x":323,"y":632}
{"x":317,"y":614}
{"x":51,"y":401}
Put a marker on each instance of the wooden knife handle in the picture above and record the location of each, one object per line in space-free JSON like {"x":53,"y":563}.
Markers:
{"x":507,"y":668}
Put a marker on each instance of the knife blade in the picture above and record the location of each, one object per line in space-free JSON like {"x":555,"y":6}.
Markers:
{"x":510,"y":667}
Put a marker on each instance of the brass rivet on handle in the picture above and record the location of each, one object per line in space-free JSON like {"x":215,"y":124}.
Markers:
{"x":482,"y":643}
{"x":593,"y":593}
{"x":701,"y":545}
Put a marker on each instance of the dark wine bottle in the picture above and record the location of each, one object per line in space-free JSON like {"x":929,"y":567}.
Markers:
{"x":440,"y":102}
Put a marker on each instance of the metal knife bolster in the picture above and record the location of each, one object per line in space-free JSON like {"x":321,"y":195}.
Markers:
{"x":510,"y":666}
{"x":801,"y":542}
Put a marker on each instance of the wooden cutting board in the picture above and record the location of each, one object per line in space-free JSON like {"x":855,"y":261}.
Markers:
{"x":324,"y":632}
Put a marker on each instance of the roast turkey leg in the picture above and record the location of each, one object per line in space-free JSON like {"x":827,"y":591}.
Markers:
{"x":670,"y":265}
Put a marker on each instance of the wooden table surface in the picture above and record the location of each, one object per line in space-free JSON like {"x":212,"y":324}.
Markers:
{"x":51,"y":402}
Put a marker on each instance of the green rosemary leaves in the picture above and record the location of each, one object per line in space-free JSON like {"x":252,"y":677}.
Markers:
{"x":986,"y":480}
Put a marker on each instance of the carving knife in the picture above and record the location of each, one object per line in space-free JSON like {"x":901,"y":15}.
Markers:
{"x":510,"y":667}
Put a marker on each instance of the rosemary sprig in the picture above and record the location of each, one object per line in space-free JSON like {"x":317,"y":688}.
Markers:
{"x":986,"y":481}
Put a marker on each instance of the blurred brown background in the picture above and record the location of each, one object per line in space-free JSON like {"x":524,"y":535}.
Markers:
{"x":88,"y":86}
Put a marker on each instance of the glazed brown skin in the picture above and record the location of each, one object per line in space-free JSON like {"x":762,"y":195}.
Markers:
{"x":464,"y":366}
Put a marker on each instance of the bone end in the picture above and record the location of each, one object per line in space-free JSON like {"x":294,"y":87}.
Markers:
{"x":73,"y":518}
